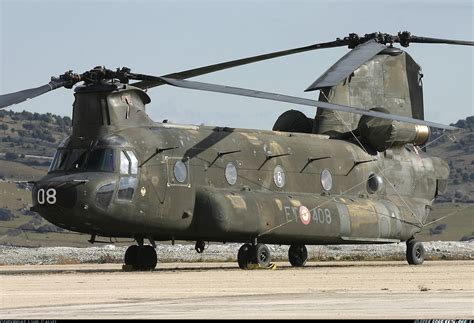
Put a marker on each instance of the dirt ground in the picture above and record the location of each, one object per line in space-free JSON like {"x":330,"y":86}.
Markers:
{"x":382,"y":289}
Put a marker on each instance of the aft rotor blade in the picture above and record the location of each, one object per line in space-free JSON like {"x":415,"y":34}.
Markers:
{"x":145,"y":84}
{"x":347,"y":64}
{"x":20,"y":96}
{"x":296,"y":100}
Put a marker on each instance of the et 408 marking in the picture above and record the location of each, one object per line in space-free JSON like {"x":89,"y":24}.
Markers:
{"x":318,"y":215}
{"x":48,"y":196}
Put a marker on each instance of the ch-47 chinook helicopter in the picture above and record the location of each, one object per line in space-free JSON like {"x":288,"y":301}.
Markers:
{"x":354,"y":174}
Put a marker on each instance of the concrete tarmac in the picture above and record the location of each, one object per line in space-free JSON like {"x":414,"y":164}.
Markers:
{"x":335,"y":290}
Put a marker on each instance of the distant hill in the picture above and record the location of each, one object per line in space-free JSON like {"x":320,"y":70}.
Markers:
{"x":457,"y":149}
{"x":25,"y":134}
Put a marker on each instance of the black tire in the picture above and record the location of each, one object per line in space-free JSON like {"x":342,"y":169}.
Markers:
{"x":297,"y":255}
{"x":243,"y":256}
{"x":415,"y":252}
{"x":261,"y":255}
{"x":147,"y":258}
{"x":131,"y":256}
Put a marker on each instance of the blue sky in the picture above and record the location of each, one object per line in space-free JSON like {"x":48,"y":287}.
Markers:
{"x":40,"y":39}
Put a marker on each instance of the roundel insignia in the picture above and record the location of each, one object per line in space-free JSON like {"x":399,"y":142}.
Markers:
{"x":305,"y":215}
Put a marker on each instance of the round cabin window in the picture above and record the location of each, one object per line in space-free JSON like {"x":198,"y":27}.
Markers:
{"x":374,"y":183}
{"x":180,"y":171}
{"x":326,"y":180}
{"x":231,"y":173}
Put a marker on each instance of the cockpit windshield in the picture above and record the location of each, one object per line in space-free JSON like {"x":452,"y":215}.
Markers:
{"x":59,"y":160}
{"x":101,"y":159}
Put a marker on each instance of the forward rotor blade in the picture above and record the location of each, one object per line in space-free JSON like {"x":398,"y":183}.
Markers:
{"x":20,"y":96}
{"x":296,"y":100}
{"x":146,"y":84}
{"x":428,"y":40}
{"x":405,"y":38}
{"x":347,"y":64}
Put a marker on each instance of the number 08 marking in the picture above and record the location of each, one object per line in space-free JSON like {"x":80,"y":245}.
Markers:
{"x":46,"y":197}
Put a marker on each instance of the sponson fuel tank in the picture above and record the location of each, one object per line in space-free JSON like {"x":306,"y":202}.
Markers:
{"x":279,"y":217}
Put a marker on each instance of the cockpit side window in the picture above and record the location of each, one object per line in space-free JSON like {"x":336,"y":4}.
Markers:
{"x":124,"y":163}
{"x":133,"y":162}
{"x":128,"y":175}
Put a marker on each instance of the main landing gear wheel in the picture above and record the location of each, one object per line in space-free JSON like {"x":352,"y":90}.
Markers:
{"x":254,"y":256}
{"x":415,"y":252}
{"x":297,"y":255}
{"x":261,"y":255}
{"x":141,"y":258}
{"x":243,"y":256}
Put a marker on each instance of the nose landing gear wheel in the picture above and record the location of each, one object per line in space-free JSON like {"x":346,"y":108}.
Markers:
{"x":199,"y":247}
{"x":297,"y":255}
{"x":415,"y":252}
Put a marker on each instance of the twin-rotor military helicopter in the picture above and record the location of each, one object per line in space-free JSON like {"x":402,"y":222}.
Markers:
{"x":354,"y":174}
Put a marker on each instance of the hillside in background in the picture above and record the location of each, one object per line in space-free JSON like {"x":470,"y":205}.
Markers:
{"x":457,"y":149}
{"x":26,"y":133}
{"x":28,"y":141}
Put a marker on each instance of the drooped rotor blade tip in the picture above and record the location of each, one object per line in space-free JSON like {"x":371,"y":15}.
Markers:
{"x":20,"y":96}
{"x":67,"y":80}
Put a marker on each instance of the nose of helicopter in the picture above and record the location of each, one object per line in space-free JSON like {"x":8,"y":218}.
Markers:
{"x":74,"y":199}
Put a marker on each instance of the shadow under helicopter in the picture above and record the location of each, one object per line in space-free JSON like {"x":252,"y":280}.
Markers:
{"x":198,"y":268}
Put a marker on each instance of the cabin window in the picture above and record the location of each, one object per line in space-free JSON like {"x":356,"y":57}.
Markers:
{"x":231,"y":173}
{"x":102,"y":159}
{"x":180,"y":171}
{"x":326,"y":180}
{"x":374,"y":183}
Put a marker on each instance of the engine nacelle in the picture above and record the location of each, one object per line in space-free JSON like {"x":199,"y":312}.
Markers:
{"x":293,"y":121}
{"x":382,"y":134}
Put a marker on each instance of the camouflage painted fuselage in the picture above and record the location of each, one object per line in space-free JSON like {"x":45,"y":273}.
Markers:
{"x":277,"y":196}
